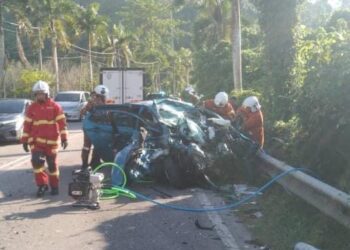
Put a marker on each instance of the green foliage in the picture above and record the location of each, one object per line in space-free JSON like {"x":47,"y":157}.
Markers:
{"x":322,"y":108}
{"x":28,"y":78}
{"x":278,"y":20}
{"x":155,"y":30}
{"x":241,"y":95}
{"x":212,"y":69}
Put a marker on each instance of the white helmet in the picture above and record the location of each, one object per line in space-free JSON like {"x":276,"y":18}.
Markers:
{"x":41,"y":86}
{"x":189,"y":90}
{"x":252,"y":102}
{"x":221,"y":99}
{"x":101,"y":90}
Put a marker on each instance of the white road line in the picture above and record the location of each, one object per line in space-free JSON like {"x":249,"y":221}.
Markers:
{"x":21,"y":160}
{"x":223,"y":232}
{"x":17,"y":161}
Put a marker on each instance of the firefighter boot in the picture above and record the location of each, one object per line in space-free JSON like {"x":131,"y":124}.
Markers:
{"x":41,"y":190}
{"x":54,"y":191}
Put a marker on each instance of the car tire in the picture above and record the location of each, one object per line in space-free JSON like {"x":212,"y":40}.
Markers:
{"x":174,"y":174}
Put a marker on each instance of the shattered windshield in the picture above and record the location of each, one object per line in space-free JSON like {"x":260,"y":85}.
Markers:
{"x":169,"y":115}
{"x":177,"y":116}
{"x":171,"y":111}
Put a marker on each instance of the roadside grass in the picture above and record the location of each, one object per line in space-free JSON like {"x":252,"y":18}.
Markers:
{"x":287,"y":220}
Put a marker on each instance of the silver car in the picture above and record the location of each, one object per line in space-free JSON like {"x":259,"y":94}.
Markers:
{"x":72,"y":102}
{"x":12,"y":112}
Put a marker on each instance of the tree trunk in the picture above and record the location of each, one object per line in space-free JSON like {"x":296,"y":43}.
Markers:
{"x":54,"y":55}
{"x":21,"y":53}
{"x":236,"y":46}
{"x":2,"y":53}
{"x":90,"y":64}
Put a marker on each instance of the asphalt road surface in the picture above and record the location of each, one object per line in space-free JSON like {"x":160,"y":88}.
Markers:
{"x":27,"y":222}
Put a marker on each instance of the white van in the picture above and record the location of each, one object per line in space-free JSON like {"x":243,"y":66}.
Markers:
{"x":72,"y":102}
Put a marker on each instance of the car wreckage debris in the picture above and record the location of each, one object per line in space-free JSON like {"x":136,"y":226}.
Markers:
{"x":165,"y":140}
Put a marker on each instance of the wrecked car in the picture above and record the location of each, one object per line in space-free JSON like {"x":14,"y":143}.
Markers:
{"x":164,"y":140}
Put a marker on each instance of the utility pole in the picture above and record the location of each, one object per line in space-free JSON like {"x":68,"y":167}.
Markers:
{"x":2,"y":53}
{"x":236,"y":45}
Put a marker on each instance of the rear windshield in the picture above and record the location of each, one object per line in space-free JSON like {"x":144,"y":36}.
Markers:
{"x":67,"y":97}
{"x":11,"y":107}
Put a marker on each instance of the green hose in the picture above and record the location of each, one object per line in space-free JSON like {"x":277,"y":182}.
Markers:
{"x":114,"y":191}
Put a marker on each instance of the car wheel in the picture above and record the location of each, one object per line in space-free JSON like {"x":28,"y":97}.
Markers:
{"x":174,"y":174}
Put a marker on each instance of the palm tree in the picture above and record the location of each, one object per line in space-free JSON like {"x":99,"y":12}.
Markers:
{"x":19,"y":11}
{"x":118,"y":43}
{"x":94,"y":25}
{"x":50,"y":16}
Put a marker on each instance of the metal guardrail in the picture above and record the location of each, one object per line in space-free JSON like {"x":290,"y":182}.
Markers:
{"x":327,"y":199}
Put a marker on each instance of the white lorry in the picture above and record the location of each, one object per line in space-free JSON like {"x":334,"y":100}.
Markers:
{"x":125,"y":85}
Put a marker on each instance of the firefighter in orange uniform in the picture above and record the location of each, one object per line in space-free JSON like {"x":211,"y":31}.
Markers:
{"x":221,"y":106}
{"x":253,"y":121}
{"x":44,"y":124}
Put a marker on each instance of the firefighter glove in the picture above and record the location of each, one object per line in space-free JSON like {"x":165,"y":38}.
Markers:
{"x":64,"y":144}
{"x":25,"y":147}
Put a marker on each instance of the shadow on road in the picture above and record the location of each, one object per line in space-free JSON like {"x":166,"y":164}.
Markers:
{"x":139,"y":224}
{"x":18,"y":187}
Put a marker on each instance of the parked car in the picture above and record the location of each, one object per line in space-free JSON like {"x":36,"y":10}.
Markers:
{"x":72,"y":102}
{"x":12,"y":112}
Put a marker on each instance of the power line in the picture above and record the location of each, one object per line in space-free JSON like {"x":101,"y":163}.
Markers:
{"x":9,"y":30}
{"x":95,"y":52}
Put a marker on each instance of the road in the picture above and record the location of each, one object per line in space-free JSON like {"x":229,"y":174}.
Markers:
{"x":27,"y":222}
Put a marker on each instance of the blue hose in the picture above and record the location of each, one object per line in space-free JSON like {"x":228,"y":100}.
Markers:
{"x":122,"y":190}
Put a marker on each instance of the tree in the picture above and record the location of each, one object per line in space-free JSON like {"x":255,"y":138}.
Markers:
{"x":118,"y":43}
{"x":49,"y":15}
{"x":23,"y":24}
{"x":278,"y":20}
{"x":154,"y":29}
{"x":2,"y":51}
{"x":95,"y":26}
{"x":236,"y":45}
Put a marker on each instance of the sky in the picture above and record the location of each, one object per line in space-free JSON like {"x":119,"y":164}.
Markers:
{"x":334,"y":3}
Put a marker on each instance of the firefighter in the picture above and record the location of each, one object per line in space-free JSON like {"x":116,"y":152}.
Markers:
{"x":221,"y":106}
{"x":252,"y":119}
{"x":98,"y":97}
{"x":191,"y":96}
{"x":44,"y":124}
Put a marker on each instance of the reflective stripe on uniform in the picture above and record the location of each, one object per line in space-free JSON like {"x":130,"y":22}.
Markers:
{"x":45,"y":141}
{"x":64,"y":132}
{"x":43,"y":122}
{"x":30,"y":139}
{"x":54,"y":150}
{"x":27,"y":119}
{"x":56,"y":173}
{"x":25,"y":135}
{"x":39,"y":170}
{"x":59,"y":117}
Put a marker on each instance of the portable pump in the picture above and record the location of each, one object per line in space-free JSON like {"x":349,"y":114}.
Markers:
{"x":86,"y":188}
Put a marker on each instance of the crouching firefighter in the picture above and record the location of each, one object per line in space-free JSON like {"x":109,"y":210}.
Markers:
{"x":44,"y":124}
